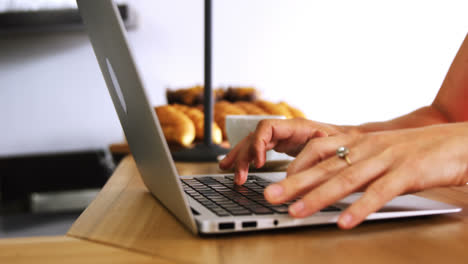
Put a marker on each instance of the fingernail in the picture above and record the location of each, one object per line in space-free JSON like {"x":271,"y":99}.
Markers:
{"x":345,"y":220}
{"x":274,"y":191}
{"x":296,"y":207}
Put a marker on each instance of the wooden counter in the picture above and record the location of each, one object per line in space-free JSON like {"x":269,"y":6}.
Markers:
{"x":126,"y":215}
{"x":51,"y":250}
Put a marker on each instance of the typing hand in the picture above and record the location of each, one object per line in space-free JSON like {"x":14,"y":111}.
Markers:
{"x":287,"y":136}
{"x":385,"y":164}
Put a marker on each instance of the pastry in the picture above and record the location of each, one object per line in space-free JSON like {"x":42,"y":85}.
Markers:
{"x":251,"y":108}
{"x":177,"y":127}
{"x":197,"y":117}
{"x":191,"y":96}
{"x":222,"y":109}
{"x":274,"y":109}
{"x":234,"y":94}
{"x":296,"y":113}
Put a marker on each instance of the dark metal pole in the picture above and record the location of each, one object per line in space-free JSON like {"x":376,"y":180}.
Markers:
{"x":208,"y":95}
{"x":206,"y":151}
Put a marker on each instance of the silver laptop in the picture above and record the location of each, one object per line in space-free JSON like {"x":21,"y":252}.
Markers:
{"x":205,"y":204}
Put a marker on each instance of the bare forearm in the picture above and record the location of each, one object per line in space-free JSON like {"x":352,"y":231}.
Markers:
{"x":453,"y":95}
{"x":425,"y":116}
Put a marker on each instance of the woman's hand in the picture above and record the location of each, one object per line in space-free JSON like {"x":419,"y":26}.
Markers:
{"x":386,"y":164}
{"x":288,"y":136}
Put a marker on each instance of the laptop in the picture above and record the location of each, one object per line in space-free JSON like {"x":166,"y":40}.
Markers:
{"x":205,"y":204}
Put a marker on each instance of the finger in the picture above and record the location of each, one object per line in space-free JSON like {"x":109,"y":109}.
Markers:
{"x":298,"y":184}
{"x":228,"y":161}
{"x":242,"y":163}
{"x":269,"y":132}
{"x":340,"y":186}
{"x":375,"y":197}
{"x":294,"y":147}
{"x":316,"y":150}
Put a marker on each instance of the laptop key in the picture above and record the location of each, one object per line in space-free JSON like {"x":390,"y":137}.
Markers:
{"x":206,"y":180}
{"x":223,"y":213}
{"x":239,"y":212}
{"x":222,"y":196}
{"x":260,"y":210}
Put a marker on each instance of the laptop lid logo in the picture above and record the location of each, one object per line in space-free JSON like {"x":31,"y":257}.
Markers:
{"x":116,"y":85}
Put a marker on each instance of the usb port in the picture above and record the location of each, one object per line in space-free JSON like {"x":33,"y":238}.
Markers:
{"x":225,"y":226}
{"x":249,"y":224}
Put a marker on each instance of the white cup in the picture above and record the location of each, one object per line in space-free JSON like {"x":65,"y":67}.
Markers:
{"x":239,"y":126}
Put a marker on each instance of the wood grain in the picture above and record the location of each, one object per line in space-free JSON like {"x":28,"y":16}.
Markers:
{"x":52,"y":250}
{"x":125,"y":215}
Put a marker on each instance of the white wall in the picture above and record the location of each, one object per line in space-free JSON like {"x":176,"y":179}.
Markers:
{"x":340,"y":61}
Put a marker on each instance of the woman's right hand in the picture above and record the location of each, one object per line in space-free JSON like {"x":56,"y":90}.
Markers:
{"x":287,"y":136}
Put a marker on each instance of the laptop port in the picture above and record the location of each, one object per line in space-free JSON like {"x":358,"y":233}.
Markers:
{"x":249,"y":224}
{"x":226,"y":226}
{"x":195,"y":212}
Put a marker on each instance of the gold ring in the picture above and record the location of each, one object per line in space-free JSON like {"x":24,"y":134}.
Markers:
{"x":342,"y":152}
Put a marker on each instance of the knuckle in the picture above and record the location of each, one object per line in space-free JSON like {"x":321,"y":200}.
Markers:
{"x":381,"y":191}
{"x":314,"y":151}
{"x":371,"y":201}
{"x":375,"y":191}
{"x":256,"y":145}
{"x":350,"y":178}
{"x":265,"y":123}
{"x":416,"y":181}
{"x":354,"y":136}
{"x":374,"y":139}
{"x":366,"y":140}
{"x":243,"y":154}
{"x":323,"y":168}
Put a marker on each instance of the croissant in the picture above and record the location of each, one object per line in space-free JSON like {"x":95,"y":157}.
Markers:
{"x":294,"y":111}
{"x":251,"y":108}
{"x":191,"y":96}
{"x":274,"y":109}
{"x":221,"y":110}
{"x":177,"y":127}
{"x":235,"y":94}
{"x":197,"y":117}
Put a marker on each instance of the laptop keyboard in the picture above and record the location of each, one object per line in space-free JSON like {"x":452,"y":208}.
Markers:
{"x":224,"y":198}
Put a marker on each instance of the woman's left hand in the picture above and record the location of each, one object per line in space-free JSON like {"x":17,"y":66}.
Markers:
{"x":386,"y":164}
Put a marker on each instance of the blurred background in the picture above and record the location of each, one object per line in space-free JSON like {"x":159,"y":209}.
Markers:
{"x":343,"y":62}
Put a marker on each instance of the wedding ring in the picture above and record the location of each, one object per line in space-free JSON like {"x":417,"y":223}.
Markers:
{"x":342,"y":152}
